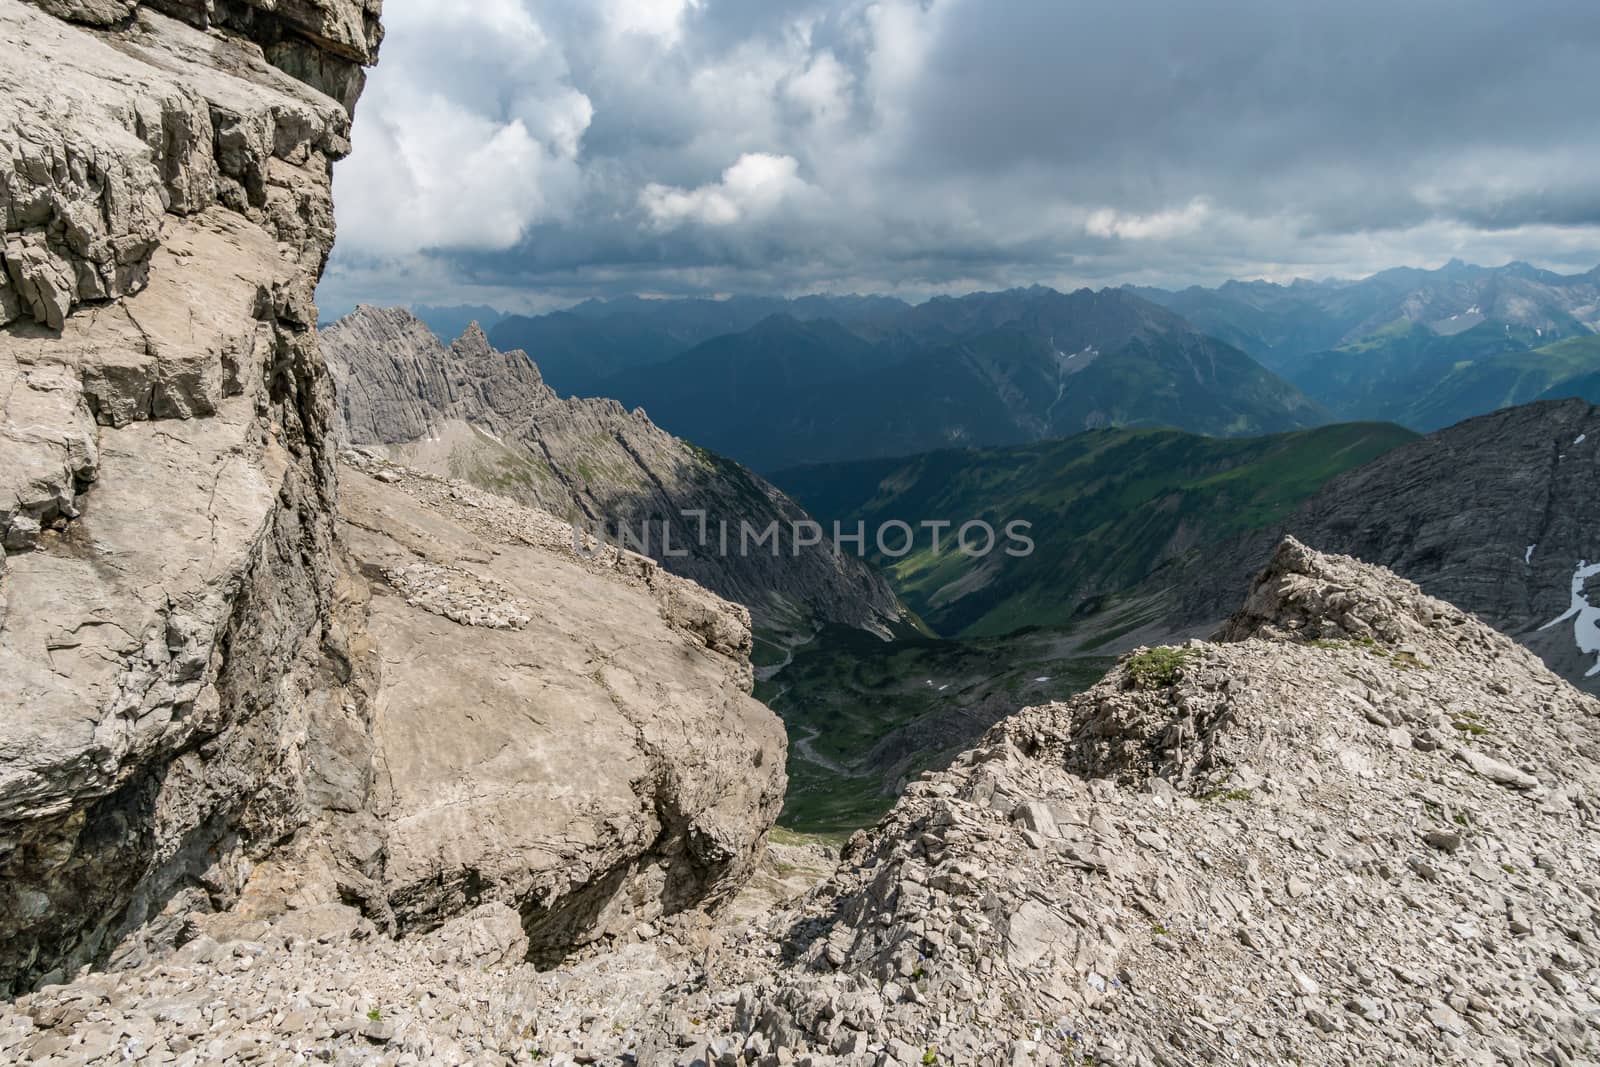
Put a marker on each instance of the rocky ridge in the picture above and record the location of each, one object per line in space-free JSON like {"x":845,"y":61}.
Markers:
{"x":1499,"y":515}
{"x":1359,"y":827}
{"x":468,"y":411}
{"x":1362,"y":826}
{"x":229,"y":691}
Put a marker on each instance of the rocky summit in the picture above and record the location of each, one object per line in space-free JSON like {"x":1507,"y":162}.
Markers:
{"x":1360,"y":826}
{"x":1499,"y":515}
{"x":315,"y":751}
{"x":468,"y":411}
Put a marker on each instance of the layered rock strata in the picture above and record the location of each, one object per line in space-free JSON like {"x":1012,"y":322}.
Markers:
{"x":166,"y":495}
{"x":222,"y":696}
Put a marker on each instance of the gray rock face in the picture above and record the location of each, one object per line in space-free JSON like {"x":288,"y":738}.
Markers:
{"x":1322,"y":839}
{"x":1361,"y":828}
{"x":468,"y":411}
{"x":224,"y":696}
{"x":573,"y":738}
{"x":1499,"y":515}
{"x":166,"y":485}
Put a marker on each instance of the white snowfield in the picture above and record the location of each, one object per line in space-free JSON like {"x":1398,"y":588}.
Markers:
{"x":1585,"y":617}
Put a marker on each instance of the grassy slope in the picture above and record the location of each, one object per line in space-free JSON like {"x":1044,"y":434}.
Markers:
{"x":1106,"y":506}
{"x":1408,"y":374}
{"x":879,"y":713}
{"x":1505,"y":380}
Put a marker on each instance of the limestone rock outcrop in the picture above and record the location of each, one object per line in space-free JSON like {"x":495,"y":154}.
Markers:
{"x":1362,"y":828}
{"x":166,"y":480}
{"x":468,"y":411}
{"x":572,"y":737}
{"x":1499,"y":515}
{"x":223,"y":698}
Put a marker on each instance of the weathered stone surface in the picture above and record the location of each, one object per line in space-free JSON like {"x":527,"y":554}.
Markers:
{"x":1246,"y":866}
{"x":106,"y":135}
{"x":469,"y":411}
{"x":595,"y":766}
{"x":214,"y":701}
{"x":1498,"y":515}
{"x":1249,"y":868}
{"x":166,"y":481}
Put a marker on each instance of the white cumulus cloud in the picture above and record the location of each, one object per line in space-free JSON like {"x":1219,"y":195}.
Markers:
{"x":754,"y":187}
{"x":662,"y":19}
{"x":469,"y":132}
{"x":1155,"y":226}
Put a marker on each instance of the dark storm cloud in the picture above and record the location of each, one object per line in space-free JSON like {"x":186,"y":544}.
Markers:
{"x":529,"y":153}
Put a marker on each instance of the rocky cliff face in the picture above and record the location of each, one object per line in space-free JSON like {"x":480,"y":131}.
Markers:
{"x":1359,"y":827}
{"x":468,"y":411}
{"x":166,"y":495}
{"x":1499,"y":515}
{"x":221,"y":694}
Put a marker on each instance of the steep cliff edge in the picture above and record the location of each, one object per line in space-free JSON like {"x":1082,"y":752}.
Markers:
{"x":467,"y":411}
{"x":166,"y":499}
{"x":222,"y":694}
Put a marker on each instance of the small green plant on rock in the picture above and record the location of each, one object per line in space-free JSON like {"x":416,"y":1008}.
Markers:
{"x":1158,"y":668}
{"x":374,"y":1015}
{"x":1409,"y":661}
{"x":929,"y":1057}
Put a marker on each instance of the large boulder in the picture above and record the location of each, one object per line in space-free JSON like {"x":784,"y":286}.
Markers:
{"x":573,"y":737}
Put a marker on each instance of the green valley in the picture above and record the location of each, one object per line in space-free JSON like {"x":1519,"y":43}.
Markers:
{"x":1106,"y":507}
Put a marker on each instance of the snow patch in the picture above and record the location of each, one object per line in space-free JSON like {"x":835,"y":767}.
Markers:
{"x":1585,"y":617}
{"x":1582,"y":437}
{"x":1043,"y":678}
{"x":1528,"y":557}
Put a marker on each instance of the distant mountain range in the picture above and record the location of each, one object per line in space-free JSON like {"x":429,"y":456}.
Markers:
{"x":777,"y":383}
{"x":468,"y":411}
{"x":581,"y":348}
{"x":1426,"y":348}
{"x":826,"y":379}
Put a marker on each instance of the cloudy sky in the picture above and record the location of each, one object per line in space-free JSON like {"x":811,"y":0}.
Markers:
{"x":530,"y":153}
